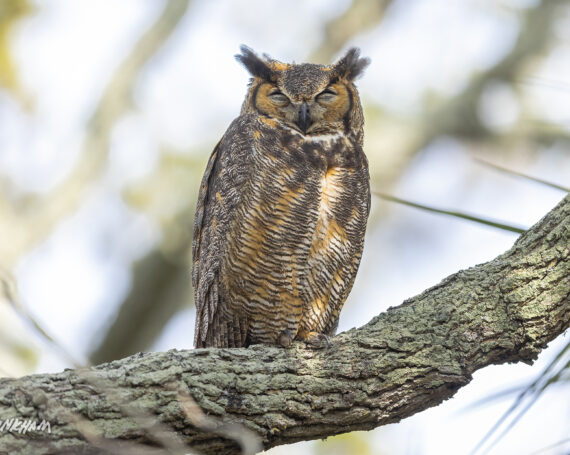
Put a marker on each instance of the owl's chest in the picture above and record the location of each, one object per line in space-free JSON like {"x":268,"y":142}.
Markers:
{"x":333,"y":199}
{"x":326,"y":177}
{"x":342,"y":194}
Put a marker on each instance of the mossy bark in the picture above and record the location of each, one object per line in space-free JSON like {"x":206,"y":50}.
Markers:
{"x":403,"y":361}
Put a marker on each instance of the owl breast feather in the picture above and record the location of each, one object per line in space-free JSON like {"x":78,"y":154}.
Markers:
{"x":290,"y":216}
{"x":300,"y":232}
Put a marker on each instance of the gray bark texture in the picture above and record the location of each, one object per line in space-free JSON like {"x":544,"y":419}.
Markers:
{"x":403,"y":361}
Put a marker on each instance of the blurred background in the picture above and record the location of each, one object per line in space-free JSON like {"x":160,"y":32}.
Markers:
{"x":109,"y":111}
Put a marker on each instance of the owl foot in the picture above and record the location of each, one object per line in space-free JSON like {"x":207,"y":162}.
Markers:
{"x":317,"y":340}
{"x":285,"y":339}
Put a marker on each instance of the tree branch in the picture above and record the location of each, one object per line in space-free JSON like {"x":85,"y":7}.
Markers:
{"x":405,"y":360}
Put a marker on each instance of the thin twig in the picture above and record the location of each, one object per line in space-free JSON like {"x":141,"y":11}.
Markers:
{"x":551,"y":446}
{"x":157,"y":431}
{"x":531,"y":389}
{"x":249,"y":442}
{"x":544,"y":82}
{"x":476,"y":219}
{"x":10,"y":291}
{"x":520,"y":174}
{"x":93,"y":435}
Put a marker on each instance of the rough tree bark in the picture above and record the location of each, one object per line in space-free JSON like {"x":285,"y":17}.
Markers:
{"x":403,"y":361}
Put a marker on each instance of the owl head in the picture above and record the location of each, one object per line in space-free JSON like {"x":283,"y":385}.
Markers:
{"x":312,"y":99}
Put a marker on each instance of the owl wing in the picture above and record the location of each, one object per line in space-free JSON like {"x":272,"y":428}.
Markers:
{"x":205,"y":265}
{"x":253,"y":227}
{"x":226,"y":173}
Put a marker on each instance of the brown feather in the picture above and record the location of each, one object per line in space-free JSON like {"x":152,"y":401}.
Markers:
{"x":282,"y":208}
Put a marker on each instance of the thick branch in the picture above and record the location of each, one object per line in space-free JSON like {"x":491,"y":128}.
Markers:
{"x":403,"y":361}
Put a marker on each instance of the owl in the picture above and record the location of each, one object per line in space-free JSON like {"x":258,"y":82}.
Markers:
{"x":282,"y":207}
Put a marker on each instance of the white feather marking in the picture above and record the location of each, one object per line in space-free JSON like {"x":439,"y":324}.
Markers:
{"x":324,"y":137}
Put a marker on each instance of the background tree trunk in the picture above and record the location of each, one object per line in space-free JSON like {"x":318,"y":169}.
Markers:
{"x":403,"y":361}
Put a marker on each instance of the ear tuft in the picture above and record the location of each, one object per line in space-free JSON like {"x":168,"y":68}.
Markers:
{"x":255,"y":65}
{"x":351,"y":65}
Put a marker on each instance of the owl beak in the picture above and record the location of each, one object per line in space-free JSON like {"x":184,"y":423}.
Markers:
{"x":304,"y":119}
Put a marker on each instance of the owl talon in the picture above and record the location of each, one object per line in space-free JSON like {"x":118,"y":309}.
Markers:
{"x":285,"y":339}
{"x":318,"y":341}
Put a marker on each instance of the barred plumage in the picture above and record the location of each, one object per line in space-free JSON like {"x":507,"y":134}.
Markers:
{"x":282,"y":208}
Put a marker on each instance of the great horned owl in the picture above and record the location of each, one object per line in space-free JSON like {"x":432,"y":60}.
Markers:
{"x":282,"y":208}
